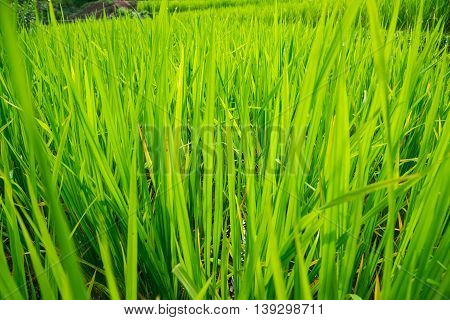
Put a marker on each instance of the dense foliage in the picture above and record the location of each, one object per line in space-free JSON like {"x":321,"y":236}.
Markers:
{"x":248,"y":152}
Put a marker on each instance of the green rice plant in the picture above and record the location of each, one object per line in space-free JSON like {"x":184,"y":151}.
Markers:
{"x":227,"y":153}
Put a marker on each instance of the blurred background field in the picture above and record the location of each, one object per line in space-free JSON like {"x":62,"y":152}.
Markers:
{"x":76,"y":9}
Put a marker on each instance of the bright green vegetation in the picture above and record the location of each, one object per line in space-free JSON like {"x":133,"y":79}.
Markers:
{"x":227,"y":153}
{"x":192,"y":5}
{"x":310,"y":10}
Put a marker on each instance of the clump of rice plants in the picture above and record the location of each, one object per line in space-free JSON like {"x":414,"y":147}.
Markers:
{"x":225,"y":155}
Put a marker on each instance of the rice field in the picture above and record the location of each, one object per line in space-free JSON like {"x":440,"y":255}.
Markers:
{"x":257,"y":151}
